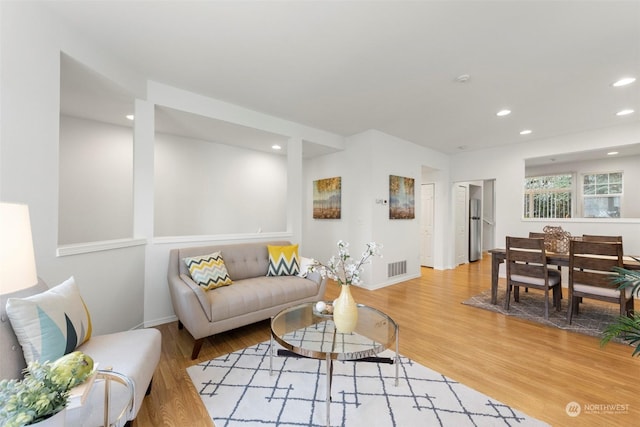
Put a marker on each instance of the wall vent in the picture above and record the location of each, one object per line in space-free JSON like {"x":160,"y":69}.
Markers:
{"x":396,"y":268}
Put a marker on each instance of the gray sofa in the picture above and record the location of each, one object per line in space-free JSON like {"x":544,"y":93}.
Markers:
{"x":128,"y":359}
{"x":252,"y":297}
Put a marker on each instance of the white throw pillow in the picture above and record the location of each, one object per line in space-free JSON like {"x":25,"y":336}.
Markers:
{"x":50,"y":324}
{"x":305,"y":263}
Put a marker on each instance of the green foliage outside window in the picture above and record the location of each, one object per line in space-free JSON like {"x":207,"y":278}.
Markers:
{"x":548,"y":196}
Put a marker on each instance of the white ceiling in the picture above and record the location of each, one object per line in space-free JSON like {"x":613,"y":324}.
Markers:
{"x":350,"y":66}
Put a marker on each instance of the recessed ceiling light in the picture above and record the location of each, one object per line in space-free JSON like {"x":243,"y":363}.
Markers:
{"x":624,"y":112}
{"x":612,"y":153}
{"x":129,"y":116}
{"x":623,"y":82}
{"x":276,"y":147}
{"x":525,"y":132}
{"x":502,"y":113}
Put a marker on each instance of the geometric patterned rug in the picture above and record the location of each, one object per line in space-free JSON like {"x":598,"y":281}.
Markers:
{"x":237,"y":390}
{"x":592,"y":320}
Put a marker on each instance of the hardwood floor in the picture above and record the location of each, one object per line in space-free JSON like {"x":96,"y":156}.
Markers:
{"x":533,"y":368}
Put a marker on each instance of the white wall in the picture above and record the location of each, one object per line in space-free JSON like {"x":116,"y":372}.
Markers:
{"x":365,"y":166}
{"x":124,"y":286}
{"x":506,"y":165}
{"x":157,"y":304}
{"x":206,"y":188}
{"x":30,"y":43}
{"x":100,"y":205}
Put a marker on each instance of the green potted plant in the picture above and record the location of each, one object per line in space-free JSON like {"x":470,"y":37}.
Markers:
{"x":626,"y":327}
{"x":43,"y":392}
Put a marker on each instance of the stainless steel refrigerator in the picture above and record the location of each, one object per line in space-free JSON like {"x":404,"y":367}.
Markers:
{"x":475,"y":230}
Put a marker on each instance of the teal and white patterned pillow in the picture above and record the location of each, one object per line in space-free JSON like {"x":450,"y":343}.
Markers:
{"x":208,"y":271}
{"x":50,"y":324}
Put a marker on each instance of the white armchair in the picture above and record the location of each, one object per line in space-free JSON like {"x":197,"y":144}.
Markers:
{"x":127,"y":361}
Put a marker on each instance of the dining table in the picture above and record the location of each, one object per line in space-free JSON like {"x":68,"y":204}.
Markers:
{"x":499,"y":255}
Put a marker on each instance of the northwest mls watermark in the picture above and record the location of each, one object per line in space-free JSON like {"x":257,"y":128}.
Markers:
{"x":575,"y":409}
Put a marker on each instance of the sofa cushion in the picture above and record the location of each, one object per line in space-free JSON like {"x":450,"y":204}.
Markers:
{"x":50,"y":324}
{"x":251,"y":295}
{"x":283,"y":260}
{"x":208,"y":271}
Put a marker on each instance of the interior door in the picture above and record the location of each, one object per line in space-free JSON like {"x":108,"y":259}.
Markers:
{"x":461,"y":225}
{"x":426,"y":225}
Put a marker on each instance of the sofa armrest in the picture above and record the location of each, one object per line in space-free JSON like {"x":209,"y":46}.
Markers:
{"x":321,"y":282}
{"x":183,"y":292}
{"x":315,"y":276}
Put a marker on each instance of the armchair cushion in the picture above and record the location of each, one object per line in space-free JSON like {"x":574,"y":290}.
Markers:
{"x":50,"y":324}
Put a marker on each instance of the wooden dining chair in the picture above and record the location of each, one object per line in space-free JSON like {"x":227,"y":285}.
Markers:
{"x":591,"y":274}
{"x":600,"y":238}
{"x":526,"y":261}
{"x":541,"y":235}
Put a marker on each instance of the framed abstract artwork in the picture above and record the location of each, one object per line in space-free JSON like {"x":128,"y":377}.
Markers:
{"x":401,"y":197}
{"x":327,"y":198}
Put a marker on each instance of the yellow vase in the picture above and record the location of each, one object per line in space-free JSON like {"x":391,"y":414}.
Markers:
{"x":345,"y":311}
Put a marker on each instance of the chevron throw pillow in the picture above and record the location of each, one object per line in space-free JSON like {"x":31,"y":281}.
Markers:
{"x":283,"y":260}
{"x":208,"y":271}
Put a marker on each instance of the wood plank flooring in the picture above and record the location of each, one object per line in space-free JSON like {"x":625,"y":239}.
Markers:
{"x":536,"y":369}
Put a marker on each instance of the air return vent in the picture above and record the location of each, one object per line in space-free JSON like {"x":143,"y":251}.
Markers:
{"x":396,"y":268}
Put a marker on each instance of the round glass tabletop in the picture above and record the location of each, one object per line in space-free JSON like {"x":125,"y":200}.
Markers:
{"x":304,"y":331}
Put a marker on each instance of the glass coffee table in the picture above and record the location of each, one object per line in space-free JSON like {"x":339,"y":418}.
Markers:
{"x":304,"y":332}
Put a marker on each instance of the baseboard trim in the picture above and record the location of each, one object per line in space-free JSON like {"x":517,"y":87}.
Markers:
{"x":397,"y":279}
{"x":161,"y":321}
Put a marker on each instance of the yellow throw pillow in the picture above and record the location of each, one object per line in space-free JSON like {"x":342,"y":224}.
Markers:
{"x":283,"y":260}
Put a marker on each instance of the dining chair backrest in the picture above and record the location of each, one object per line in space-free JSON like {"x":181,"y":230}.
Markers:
{"x":526,"y":257}
{"x":527,"y":267}
{"x":591,"y":263}
{"x":601,"y":238}
{"x":537,"y":235}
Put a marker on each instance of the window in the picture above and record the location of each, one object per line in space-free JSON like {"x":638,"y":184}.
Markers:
{"x":548,"y":196}
{"x":602,"y":195}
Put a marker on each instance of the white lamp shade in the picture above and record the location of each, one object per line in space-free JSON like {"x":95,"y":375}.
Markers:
{"x":17,"y":260}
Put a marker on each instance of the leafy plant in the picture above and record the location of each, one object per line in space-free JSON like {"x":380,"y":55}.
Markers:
{"x":626,"y":327}
{"x":44,"y":390}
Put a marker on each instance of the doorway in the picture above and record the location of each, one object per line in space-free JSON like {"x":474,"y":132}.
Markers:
{"x":465,"y":193}
{"x":461,"y":224}
{"x":426,"y":224}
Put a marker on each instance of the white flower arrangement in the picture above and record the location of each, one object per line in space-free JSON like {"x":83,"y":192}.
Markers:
{"x":342,"y":268}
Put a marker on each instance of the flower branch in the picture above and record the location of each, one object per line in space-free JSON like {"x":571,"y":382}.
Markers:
{"x":344,"y":269}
